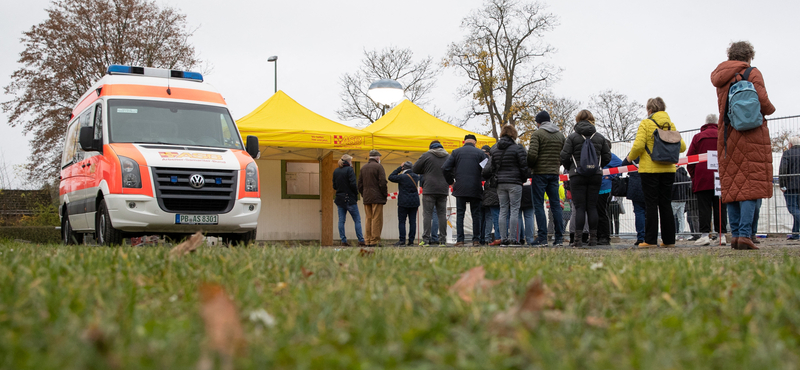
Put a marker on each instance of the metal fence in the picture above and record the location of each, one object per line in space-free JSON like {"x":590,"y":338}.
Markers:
{"x":774,"y":217}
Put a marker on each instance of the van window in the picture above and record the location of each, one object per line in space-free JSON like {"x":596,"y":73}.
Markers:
{"x":70,"y":143}
{"x":98,"y":122}
{"x":157,"y":122}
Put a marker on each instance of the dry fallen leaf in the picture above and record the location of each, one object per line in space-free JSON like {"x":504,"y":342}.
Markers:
{"x":102,"y":344}
{"x":306,"y":273}
{"x":366,"y":252}
{"x":224,"y":332}
{"x":534,"y":307}
{"x":537,"y":297}
{"x":187,"y":246}
{"x":470,"y":281}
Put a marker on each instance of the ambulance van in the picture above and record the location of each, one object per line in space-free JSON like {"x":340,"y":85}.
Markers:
{"x":155,"y":152}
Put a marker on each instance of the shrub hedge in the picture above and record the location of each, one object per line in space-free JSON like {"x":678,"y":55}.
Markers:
{"x":33,"y":234}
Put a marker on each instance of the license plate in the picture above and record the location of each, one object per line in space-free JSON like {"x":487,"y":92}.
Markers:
{"x":196,"y":219}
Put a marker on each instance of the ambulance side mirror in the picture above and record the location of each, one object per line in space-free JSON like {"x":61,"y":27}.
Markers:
{"x":86,"y":139}
{"x":251,"y":146}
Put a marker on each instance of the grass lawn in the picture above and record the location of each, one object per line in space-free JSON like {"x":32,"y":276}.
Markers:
{"x":85,"y":307}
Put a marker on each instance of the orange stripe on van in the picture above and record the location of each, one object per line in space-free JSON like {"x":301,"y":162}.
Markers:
{"x":151,"y":92}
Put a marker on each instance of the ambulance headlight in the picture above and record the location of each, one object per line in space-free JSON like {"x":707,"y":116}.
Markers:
{"x":131,"y":177}
{"x":251,"y":177}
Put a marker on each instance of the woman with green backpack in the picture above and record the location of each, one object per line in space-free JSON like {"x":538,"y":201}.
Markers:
{"x":658,"y":144}
{"x":585,"y":165}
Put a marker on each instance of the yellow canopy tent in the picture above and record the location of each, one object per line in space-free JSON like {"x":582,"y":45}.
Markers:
{"x":288,"y":130}
{"x":407,"y":128}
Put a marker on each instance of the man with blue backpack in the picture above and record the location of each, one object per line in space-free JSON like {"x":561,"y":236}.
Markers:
{"x":743,"y":141}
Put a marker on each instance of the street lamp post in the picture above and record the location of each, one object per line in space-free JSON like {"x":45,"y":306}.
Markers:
{"x":385,"y":92}
{"x":274,"y":59}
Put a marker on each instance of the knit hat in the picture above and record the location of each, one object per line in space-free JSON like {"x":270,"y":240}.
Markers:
{"x":435,"y":145}
{"x":470,"y":136}
{"x":542,"y":116}
{"x":374,"y":153}
{"x":486,"y":148}
{"x":407,"y":165}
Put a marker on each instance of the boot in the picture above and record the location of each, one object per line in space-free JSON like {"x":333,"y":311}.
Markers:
{"x":585,"y":237}
{"x":735,"y":242}
{"x":571,"y":240}
{"x":592,"y":238}
{"x":578,"y":243}
{"x":745,"y":243}
{"x":754,"y":239}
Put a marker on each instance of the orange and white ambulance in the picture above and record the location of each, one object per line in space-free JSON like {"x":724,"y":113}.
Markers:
{"x":155,"y":151}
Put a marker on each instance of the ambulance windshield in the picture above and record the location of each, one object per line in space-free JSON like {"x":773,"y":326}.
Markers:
{"x":157,"y":122}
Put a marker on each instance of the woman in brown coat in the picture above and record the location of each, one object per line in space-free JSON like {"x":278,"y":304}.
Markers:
{"x":745,"y":159}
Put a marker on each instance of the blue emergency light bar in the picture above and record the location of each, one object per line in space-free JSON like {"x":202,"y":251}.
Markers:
{"x":154,"y":72}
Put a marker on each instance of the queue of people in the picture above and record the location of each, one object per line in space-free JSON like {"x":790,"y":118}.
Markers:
{"x":490,"y":180}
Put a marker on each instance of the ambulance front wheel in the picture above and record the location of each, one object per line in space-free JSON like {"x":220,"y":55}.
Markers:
{"x":69,"y":236}
{"x":106,"y":233}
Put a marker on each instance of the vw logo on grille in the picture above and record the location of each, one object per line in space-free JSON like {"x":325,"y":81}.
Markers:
{"x":196,"y":181}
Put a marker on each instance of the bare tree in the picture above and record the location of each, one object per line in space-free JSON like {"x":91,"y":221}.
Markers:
{"x":617,"y":116}
{"x":780,"y":140}
{"x":501,"y":59}
{"x":71,"y":49}
{"x":418,"y":79}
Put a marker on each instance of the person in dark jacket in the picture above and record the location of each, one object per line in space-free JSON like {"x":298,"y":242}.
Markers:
{"x":346,"y":188}
{"x":525,"y":222}
{"x":372,"y":186}
{"x":491,"y":210}
{"x":543,"y":159}
{"x":603,"y":200}
{"x":636,"y":196}
{"x":789,"y":180}
{"x":463,"y":169}
{"x":585,"y":189}
{"x":407,"y":201}
{"x":680,"y":194}
{"x":509,"y":166}
{"x":703,"y":183}
{"x":434,"y":190}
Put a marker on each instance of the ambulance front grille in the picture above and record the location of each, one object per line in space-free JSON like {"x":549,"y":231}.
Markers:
{"x":175,"y":195}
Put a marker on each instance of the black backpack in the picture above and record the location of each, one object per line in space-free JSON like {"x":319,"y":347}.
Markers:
{"x":589,"y":160}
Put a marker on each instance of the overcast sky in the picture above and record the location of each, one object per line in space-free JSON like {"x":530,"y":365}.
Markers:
{"x":640,"y":48}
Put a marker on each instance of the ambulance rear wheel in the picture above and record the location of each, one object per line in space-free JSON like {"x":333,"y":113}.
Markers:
{"x":242,"y":239}
{"x":106,"y":233}
{"x":69,"y":236}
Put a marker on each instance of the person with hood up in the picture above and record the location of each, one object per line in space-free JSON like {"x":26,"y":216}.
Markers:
{"x":703,"y":184}
{"x":463,"y":171}
{"x":509,"y":166}
{"x":789,"y":179}
{"x":434,"y":190}
{"x":407,"y":201}
{"x":745,"y":157}
{"x":657,"y":177}
{"x":346,"y":188}
{"x":543,"y":159}
{"x":603,"y":200}
{"x":585,"y":189}
{"x":372,"y":186}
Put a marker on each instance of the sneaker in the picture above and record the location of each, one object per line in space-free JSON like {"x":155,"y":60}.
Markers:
{"x":703,"y":241}
{"x":399,"y":244}
{"x":644,"y":245}
{"x":693,"y":238}
{"x":496,"y":242}
{"x":638,"y":242}
{"x":345,"y":244}
{"x":476,"y":243}
{"x":540,"y":241}
{"x":362,"y":244}
{"x":558,"y":243}
{"x":723,"y":240}
{"x":664,"y":245}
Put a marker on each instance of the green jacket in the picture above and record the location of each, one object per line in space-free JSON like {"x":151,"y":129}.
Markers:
{"x":544,"y":151}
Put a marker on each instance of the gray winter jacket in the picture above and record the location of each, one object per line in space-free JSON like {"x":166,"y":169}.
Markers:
{"x":429,"y":165}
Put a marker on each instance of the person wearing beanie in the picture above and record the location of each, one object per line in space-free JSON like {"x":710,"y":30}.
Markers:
{"x":346,"y":200}
{"x":463,"y":170}
{"x":372,"y":186}
{"x":407,"y":202}
{"x":434,"y":190}
{"x":544,"y":153}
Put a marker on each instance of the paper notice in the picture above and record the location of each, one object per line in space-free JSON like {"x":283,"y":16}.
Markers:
{"x":712,"y":161}
{"x":484,"y":162}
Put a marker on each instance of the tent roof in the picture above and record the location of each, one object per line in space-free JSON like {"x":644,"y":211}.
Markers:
{"x":409,"y":128}
{"x":282,"y":122}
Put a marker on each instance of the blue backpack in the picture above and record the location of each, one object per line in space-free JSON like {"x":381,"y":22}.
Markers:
{"x":589,"y":161}
{"x":743,"y":110}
